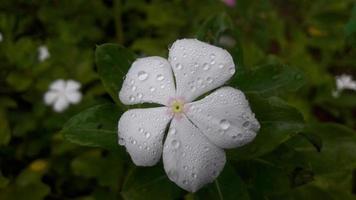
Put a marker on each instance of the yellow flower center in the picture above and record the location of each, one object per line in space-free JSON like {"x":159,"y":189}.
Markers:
{"x":177,"y":106}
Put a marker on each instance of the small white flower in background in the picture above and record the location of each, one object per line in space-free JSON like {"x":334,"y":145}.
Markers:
{"x":199,"y":130}
{"x":1,"y":37}
{"x":344,"y":82}
{"x":62,"y":93}
{"x":43,"y":53}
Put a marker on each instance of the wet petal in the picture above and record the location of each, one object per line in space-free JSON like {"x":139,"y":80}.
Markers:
{"x":148,"y":80}
{"x":225,"y":118}
{"x":189,"y":159}
{"x":199,"y":67}
{"x":141,"y":131}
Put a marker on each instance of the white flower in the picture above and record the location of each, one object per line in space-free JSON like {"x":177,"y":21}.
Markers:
{"x":193,"y":152}
{"x":61,"y":93}
{"x":343,"y":82}
{"x":1,"y":37}
{"x":43,"y":53}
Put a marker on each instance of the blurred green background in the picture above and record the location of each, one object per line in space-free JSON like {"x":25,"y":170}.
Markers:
{"x":288,"y":53}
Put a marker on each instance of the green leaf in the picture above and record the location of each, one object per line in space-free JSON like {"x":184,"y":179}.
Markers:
{"x":227,"y":186}
{"x":279,"y":122}
{"x":113,"y":62}
{"x":95,"y":127}
{"x":270,"y":79}
{"x":149,"y":184}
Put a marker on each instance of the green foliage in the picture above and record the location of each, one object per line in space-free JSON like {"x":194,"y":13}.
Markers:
{"x":287,"y":54}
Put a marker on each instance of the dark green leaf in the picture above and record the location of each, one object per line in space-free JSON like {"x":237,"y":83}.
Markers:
{"x":96,"y":127}
{"x":270,"y":79}
{"x":113,"y":62}
{"x":227,"y":186}
{"x":149,"y":184}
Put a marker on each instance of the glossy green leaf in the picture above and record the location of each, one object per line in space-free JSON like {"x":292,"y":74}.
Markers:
{"x":113,"y":62}
{"x":228,"y":186}
{"x":95,"y":127}
{"x":270,"y":79}
{"x":149,"y":184}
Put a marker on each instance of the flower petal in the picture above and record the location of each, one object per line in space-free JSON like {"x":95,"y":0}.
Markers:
{"x":72,"y":85}
{"x":74,"y":96}
{"x":148,"y":80}
{"x":189,"y":159}
{"x":225,"y":118}
{"x":199,"y":67}
{"x":50,"y":97}
{"x":58,"y":85}
{"x":61,"y":104}
{"x":141,"y":131}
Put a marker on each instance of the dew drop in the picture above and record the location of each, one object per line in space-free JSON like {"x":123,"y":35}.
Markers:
{"x":224,"y":124}
{"x":178,"y":66}
{"x":212,"y":62}
{"x":142,"y":75}
{"x":173,"y":174}
{"x":172,"y":131}
{"x":194,"y":175}
{"x":160,"y":77}
{"x":206,"y":148}
{"x":232,"y":70}
{"x":196,"y":65}
{"x":139,"y":95}
{"x":133,"y":88}
{"x":132,"y":98}
{"x":185,"y":167}
{"x":209,"y":80}
{"x":133,"y":141}
{"x":206,"y":66}
{"x":221,"y":66}
{"x":175,"y":144}
{"x":140,"y":130}
{"x":246,"y":124}
{"x":122,"y":141}
{"x":147,"y":134}
{"x":212,"y":56}
{"x":152,"y":89}
{"x":132,"y":82}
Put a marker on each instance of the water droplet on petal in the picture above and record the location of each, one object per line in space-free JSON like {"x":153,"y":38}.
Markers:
{"x":140,"y":130}
{"x":232,"y":70}
{"x":194,"y":175}
{"x":175,"y":144}
{"x":221,"y":66}
{"x":160,"y":77}
{"x":152,"y":89}
{"x":142,"y":75}
{"x":212,"y":56}
{"x":147,"y":134}
{"x":246,"y":124}
{"x":132,"y":98}
{"x":172,"y":131}
{"x":185,"y":167}
{"x":122,"y":141}
{"x":139,"y":95}
{"x":209,"y":80}
{"x":206,"y":66}
{"x":224,"y":124}
{"x":178,"y":66}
